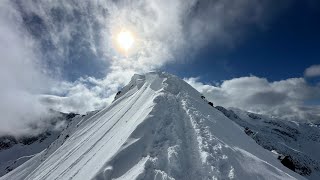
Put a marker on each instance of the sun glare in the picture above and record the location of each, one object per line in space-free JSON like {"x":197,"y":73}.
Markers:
{"x":125,"y":40}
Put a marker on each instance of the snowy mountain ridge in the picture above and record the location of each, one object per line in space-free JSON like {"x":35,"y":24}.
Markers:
{"x":158,"y":127}
{"x":300,"y":142}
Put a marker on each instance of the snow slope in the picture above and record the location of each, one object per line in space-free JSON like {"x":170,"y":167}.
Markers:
{"x":14,"y":151}
{"x":158,"y":127}
{"x":300,"y":141}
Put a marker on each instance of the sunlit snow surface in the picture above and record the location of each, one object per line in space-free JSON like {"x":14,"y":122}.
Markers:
{"x":299,"y":140}
{"x":157,"y":128}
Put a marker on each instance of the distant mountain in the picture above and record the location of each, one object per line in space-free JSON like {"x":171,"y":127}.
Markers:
{"x":158,"y":127}
{"x":298,"y":144}
{"x":14,"y":151}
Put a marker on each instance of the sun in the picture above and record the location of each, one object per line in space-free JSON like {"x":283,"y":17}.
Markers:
{"x":125,"y":40}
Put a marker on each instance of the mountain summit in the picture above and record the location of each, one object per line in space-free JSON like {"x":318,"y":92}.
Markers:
{"x":158,"y":127}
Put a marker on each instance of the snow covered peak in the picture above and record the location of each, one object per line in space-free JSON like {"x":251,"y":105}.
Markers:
{"x":158,"y":127}
{"x":158,"y":80}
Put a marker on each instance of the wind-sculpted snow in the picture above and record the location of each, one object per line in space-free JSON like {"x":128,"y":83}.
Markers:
{"x":158,"y":127}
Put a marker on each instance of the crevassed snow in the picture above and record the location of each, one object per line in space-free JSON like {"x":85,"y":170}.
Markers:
{"x":158,"y":127}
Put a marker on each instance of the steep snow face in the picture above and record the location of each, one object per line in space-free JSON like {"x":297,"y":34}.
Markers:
{"x":158,"y":127}
{"x":299,"y":141}
{"x":14,"y":151}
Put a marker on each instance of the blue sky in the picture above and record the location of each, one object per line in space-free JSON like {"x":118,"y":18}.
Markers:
{"x":256,"y":55}
{"x":284,"y":49}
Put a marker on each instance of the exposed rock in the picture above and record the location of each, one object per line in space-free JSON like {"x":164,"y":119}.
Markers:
{"x":248,"y":131}
{"x":118,"y":93}
{"x":7,"y":142}
{"x":287,"y":161}
{"x":253,"y":116}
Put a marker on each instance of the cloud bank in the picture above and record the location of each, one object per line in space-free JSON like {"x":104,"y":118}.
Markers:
{"x":22,"y":76}
{"x":286,"y":99}
{"x":75,"y":38}
{"x":60,"y":54}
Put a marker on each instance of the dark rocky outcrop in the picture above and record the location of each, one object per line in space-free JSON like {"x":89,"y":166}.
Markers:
{"x":248,"y":131}
{"x":29,"y":140}
{"x":7,"y":142}
{"x":253,"y":116}
{"x":287,"y":161}
{"x":66,"y":137}
{"x":118,"y":93}
{"x":295,"y":165}
{"x":71,"y":115}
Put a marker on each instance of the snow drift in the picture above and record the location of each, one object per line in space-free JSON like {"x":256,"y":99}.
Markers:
{"x":158,"y":127}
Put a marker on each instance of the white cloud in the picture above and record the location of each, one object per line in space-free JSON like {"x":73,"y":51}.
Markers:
{"x":286,"y":98}
{"x":165,"y":31}
{"x":21,"y":76}
{"x":312,"y":71}
{"x":86,"y":94}
{"x":42,"y":40}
